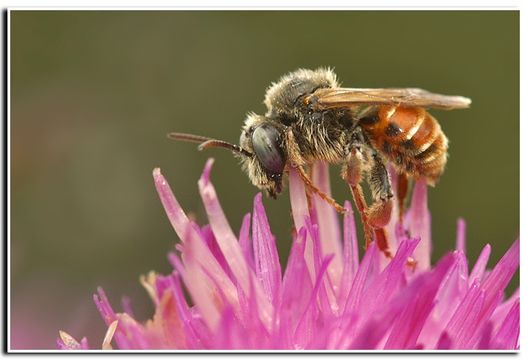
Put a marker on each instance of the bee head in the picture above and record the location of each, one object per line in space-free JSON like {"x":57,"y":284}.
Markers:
{"x":263,"y":139}
{"x":261,"y":151}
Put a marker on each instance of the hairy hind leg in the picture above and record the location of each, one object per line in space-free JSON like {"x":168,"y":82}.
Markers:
{"x":380,"y":211}
{"x":402,"y":190}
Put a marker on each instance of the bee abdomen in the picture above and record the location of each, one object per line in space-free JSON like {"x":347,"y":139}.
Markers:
{"x":412,"y":139}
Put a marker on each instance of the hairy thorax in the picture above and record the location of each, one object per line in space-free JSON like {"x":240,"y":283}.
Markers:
{"x":323,"y":135}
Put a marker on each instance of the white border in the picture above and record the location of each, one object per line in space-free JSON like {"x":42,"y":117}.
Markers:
{"x":265,"y":5}
{"x":299,"y":5}
{"x":8,"y":178}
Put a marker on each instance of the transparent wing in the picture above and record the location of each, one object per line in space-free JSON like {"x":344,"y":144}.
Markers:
{"x":410,"y":97}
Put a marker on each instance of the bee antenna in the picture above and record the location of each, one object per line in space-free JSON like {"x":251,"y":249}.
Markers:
{"x":188,"y":137}
{"x":206,"y":142}
{"x":225,"y":145}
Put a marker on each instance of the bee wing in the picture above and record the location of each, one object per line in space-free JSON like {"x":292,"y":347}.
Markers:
{"x":411,"y":97}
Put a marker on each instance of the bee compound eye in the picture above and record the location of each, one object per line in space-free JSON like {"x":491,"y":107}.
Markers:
{"x":266,"y":141}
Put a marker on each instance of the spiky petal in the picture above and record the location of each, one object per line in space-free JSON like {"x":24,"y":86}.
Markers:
{"x":326,"y":298}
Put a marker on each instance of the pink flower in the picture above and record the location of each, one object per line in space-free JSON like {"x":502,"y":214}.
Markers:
{"x":325,"y":298}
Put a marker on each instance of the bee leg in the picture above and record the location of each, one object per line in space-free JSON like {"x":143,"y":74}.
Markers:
{"x":402,"y":190}
{"x":360,"y":204}
{"x":312,"y":187}
{"x":381,"y":240}
{"x":308,"y":197}
{"x":352,"y":174}
{"x":380,"y":211}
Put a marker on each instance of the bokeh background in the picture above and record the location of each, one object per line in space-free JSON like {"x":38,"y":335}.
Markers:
{"x":93,"y":95}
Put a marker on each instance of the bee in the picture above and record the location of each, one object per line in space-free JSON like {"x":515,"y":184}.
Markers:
{"x":311,"y":118}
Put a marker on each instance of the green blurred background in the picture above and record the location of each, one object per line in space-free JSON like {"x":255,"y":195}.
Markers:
{"x":93,"y":95}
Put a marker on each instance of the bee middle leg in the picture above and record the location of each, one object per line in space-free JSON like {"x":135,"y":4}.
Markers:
{"x":380,"y":211}
{"x":352,"y":173}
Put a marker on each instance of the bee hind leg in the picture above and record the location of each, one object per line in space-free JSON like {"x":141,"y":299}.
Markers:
{"x":402,"y":190}
{"x":380,"y":211}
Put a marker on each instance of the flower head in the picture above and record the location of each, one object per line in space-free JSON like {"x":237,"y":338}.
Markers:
{"x":326,"y":298}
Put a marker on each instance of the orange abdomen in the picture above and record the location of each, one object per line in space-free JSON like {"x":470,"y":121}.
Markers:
{"x":411,"y":139}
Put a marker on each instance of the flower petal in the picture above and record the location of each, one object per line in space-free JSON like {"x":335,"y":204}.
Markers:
{"x":359,"y":284}
{"x":176,"y":215}
{"x":228,"y":243}
{"x":418,"y":222}
{"x":350,"y":254}
{"x":305,"y":330}
{"x":466,"y":317}
{"x":480,"y":265}
{"x":297,"y":194}
{"x":494,"y":286}
{"x":508,"y":335}
{"x":219,"y":224}
{"x":244,"y":241}
{"x":450,"y":294}
{"x":385,"y":284}
{"x":268,"y":268}
{"x":408,"y":326}
{"x":240,"y":301}
{"x":296,"y":290}
{"x":503,"y":309}
{"x":201,"y":288}
{"x":500,"y":276}
{"x":300,"y":213}
{"x":328,"y":223}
